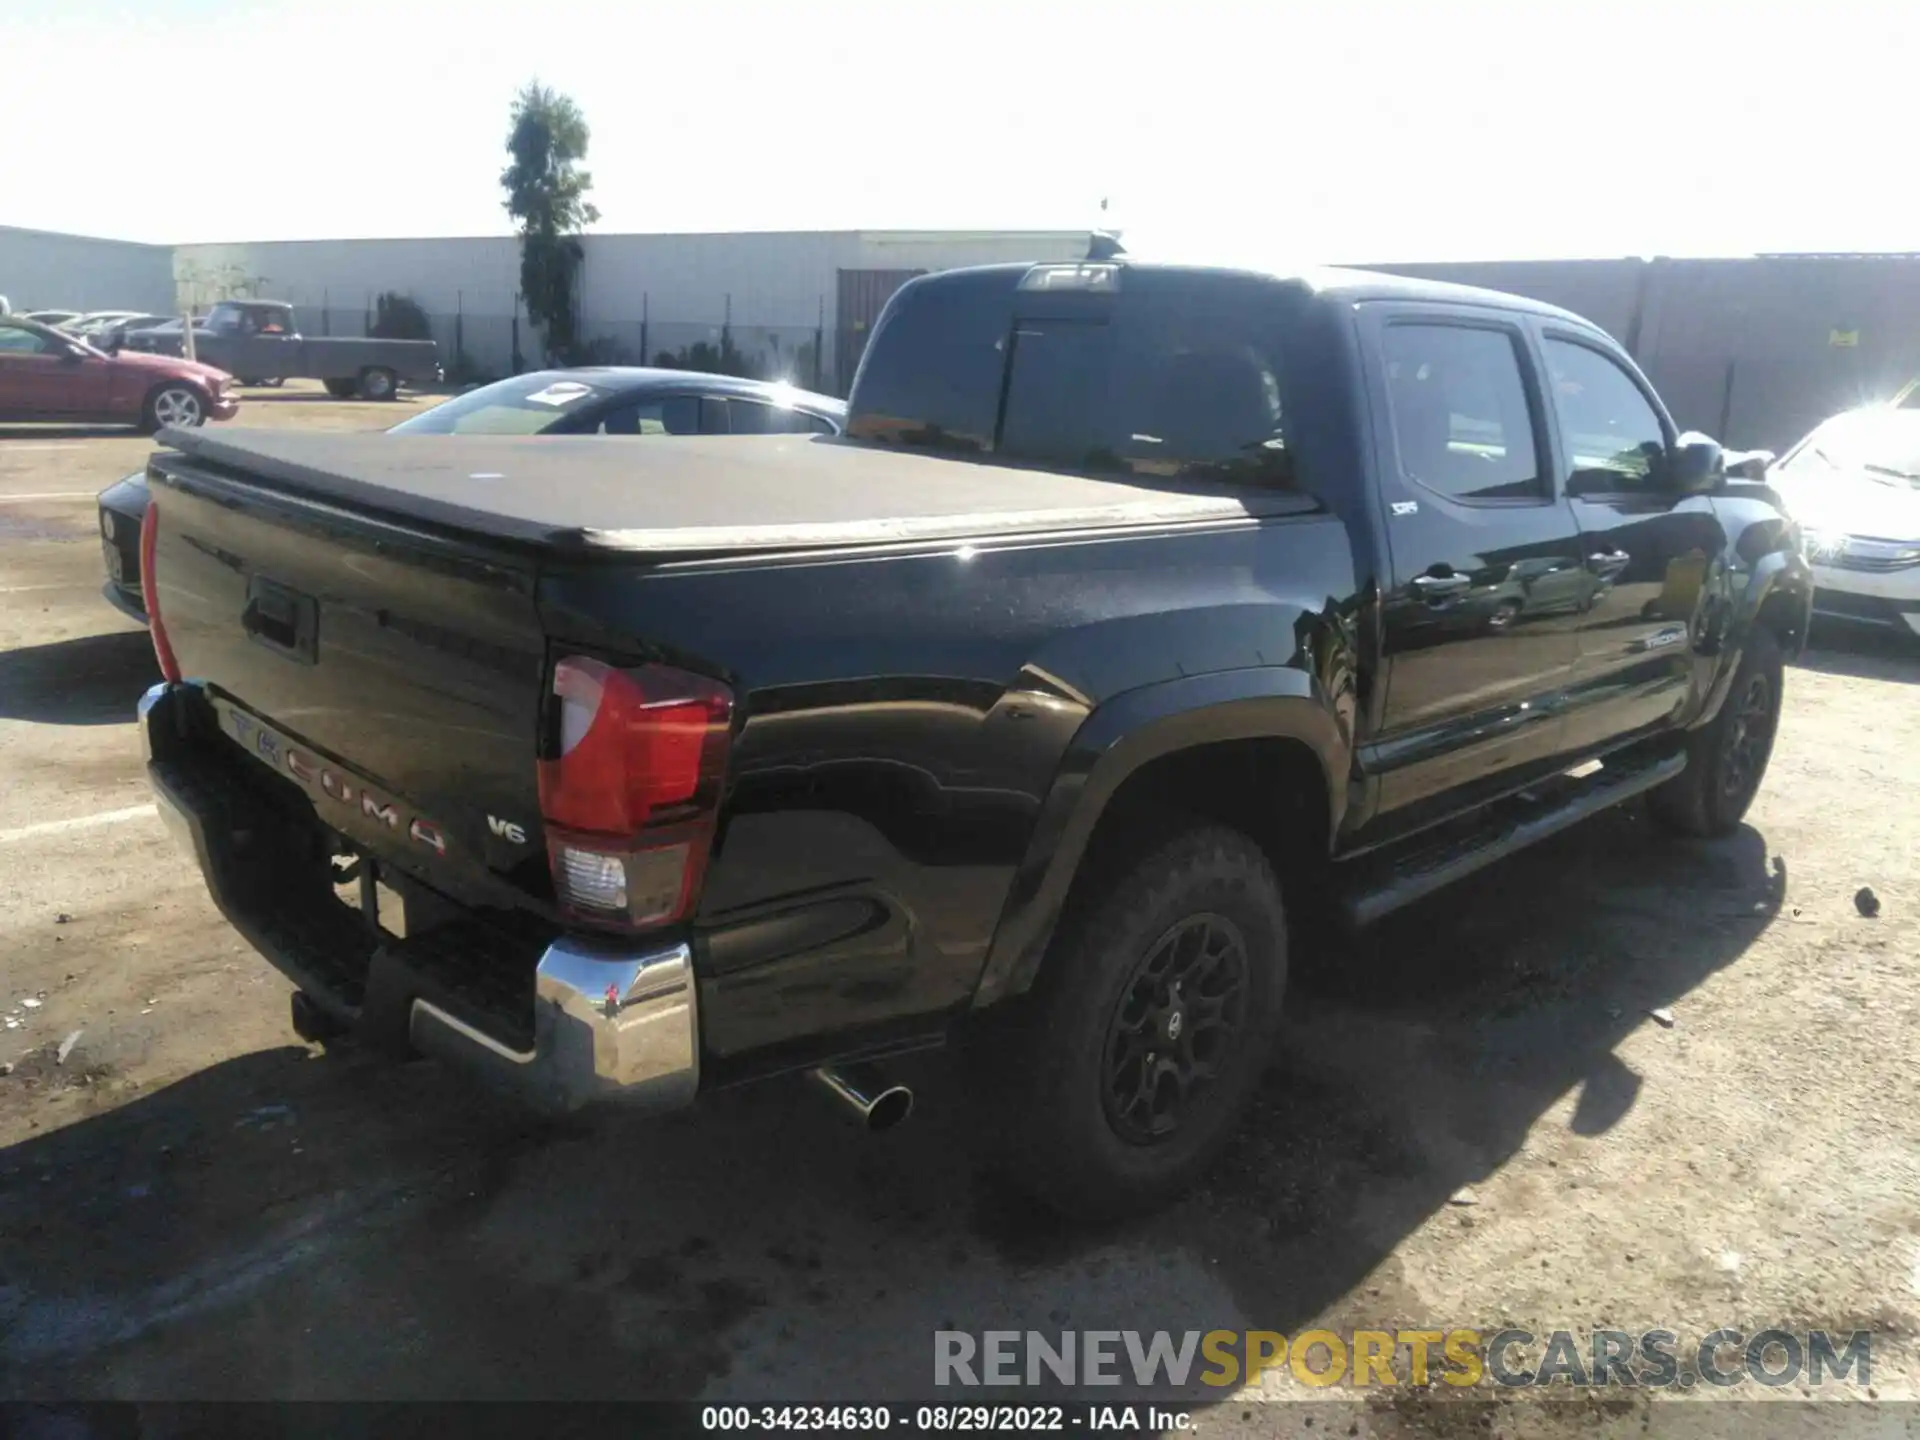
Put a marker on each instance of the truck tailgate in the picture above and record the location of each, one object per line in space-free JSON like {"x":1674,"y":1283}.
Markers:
{"x":408,"y":666}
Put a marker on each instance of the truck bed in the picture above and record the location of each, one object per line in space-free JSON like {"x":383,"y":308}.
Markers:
{"x":681,"y":497}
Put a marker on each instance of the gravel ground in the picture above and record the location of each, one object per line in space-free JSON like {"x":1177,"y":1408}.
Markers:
{"x":1614,"y":1083}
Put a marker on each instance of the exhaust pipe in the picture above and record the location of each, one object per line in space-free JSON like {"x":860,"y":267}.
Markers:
{"x":866,"y":1096}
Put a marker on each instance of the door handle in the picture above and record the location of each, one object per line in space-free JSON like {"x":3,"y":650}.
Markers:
{"x":1441,"y":587}
{"x":1609,"y":562}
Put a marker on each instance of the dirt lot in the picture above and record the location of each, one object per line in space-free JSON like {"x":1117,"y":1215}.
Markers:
{"x":192,"y":1204}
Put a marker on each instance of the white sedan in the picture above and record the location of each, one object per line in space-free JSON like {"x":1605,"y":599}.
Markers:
{"x":1854,"y":486}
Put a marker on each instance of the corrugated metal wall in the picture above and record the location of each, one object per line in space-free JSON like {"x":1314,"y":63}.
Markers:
{"x":41,"y":270}
{"x":1753,"y":351}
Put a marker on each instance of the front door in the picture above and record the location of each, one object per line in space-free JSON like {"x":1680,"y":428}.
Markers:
{"x":1483,"y":551}
{"x":1652,"y":557}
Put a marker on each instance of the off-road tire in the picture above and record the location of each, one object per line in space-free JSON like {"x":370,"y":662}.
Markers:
{"x":1727,"y":758}
{"x":1047,"y":1063}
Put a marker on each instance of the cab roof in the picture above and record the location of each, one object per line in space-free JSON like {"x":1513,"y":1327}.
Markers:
{"x":1334,"y":284}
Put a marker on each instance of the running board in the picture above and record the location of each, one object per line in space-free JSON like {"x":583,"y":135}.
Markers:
{"x":1389,"y":880}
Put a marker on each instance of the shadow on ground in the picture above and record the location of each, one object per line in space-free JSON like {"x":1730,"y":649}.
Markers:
{"x":279,"y":1225}
{"x":92,"y":680}
{"x":256,"y":395}
{"x":1862,"y":653}
{"x":29,"y":433}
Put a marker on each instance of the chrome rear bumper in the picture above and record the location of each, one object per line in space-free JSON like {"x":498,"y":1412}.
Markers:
{"x":608,"y":1024}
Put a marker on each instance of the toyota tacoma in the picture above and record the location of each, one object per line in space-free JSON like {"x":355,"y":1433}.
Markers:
{"x":1140,"y":608}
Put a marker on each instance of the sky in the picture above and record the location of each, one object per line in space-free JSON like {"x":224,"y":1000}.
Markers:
{"x":1358,"y":132}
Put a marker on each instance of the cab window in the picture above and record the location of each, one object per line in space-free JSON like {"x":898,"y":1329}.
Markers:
{"x":1182,"y":380}
{"x":1615,"y":441}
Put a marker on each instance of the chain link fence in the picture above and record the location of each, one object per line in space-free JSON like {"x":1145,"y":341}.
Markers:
{"x":480,"y":346}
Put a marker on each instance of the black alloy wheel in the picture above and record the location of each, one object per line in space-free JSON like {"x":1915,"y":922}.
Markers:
{"x":1177,"y":1023}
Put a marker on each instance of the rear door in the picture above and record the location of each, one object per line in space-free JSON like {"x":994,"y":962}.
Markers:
{"x":1650,"y":556}
{"x":1484,"y":551}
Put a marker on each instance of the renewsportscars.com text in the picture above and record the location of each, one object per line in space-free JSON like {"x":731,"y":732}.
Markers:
{"x":1655,"y":1359}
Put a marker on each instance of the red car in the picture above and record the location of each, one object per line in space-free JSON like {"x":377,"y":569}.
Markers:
{"x":47,"y":375}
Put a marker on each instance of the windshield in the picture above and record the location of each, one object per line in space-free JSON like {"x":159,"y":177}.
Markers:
{"x":1885,"y":446}
{"x":522,"y":405}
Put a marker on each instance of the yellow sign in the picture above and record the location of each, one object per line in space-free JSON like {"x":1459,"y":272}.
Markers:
{"x":1843,"y":339}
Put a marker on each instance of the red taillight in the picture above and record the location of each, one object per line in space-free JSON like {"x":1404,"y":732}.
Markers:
{"x":630,"y":801}
{"x":150,"y":594}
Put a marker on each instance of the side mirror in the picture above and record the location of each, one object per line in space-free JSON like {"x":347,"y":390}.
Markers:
{"x":1695,"y":464}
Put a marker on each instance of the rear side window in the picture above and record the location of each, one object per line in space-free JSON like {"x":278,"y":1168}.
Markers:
{"x":1461,"y":419}
{"x":756,"y":417}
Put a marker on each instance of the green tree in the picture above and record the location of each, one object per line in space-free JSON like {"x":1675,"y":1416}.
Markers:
{"x":547,"y":196}
{"x":399,"y":317}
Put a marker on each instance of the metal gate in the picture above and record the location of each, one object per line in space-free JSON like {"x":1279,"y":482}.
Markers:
{"x":859,"y":297}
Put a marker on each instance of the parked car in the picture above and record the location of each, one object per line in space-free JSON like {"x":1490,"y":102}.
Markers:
{"x":48,"y":375}
{"x":1854,"y":486}
{"x":630,"y":400}
{"x":1020,"y":718}
{"x":111,"y":336}
{"x":89,"y":325}
{"x":259,"y":340}
{"x":597,"y":401}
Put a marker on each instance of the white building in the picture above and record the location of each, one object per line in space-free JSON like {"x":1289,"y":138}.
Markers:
{"x":799,"y":302}
{"x":42,"y":270}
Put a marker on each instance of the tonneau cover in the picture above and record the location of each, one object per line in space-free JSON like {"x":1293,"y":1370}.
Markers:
{"x":681,"y":496}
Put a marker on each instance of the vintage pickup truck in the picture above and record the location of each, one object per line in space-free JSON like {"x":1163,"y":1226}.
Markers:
{"x":1142,"y":608}
{"x":257,"y":340}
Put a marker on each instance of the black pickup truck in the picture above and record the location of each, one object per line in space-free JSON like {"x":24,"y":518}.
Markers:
{"x":1141,"y":609}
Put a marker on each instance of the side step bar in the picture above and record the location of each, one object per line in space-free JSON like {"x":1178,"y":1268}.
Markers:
{"x":1387,"y":881}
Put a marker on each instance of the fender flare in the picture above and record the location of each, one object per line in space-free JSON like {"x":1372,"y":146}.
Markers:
{"x":1784,"y":572}
{"x":1116,"y":740}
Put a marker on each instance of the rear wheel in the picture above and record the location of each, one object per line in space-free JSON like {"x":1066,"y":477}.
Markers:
{"x":379,"y":383}
{"x":1119,"y":1079}
{"x":341,"y":389}
{"x":1727,"y":758}
{"x":173,"y":404}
